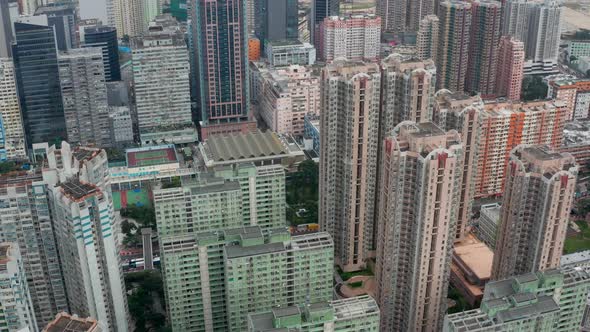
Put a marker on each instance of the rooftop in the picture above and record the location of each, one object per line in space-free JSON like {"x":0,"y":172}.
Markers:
{"x":476,"y":256}
{"x":66,"y":323}
{"x":543,"y":153}
{"x":77,"y":190}
{"x":244,"y":146}
{"x":151,"y":156}
{"x":582,"y":257}
{"x":237,"y":251}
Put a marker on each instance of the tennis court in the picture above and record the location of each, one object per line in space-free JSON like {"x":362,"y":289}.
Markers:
{"x":151,"y":157}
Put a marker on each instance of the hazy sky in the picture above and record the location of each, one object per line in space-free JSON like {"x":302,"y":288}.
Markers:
{"x":93,"y":9}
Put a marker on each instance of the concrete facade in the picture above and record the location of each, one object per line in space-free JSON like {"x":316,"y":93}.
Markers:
{"x":421,"y":171}
{"x":14,"y":134}
{"x":427,"y":38}
{"x":510,"y":68}
{"x":537,"y":201}
{"x":354,"y":38}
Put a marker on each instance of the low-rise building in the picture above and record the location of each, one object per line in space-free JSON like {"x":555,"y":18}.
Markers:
{"x":471,"y":268}
{"x":289,"y":52}
{"x":346,"y":315}
{"x":575,"y":93}
{"x":260,"y":148}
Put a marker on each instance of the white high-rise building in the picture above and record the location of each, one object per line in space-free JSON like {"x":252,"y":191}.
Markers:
{"x":84,"y":94}
{"x":129,"y":17}
{"x":86,"y":229}
{"x":538,"y":25}
{"x":353,"y":38}
{"x":14,"y":135}
{"x":161,"y":72}
{"x":16,"y":308}
{"x":25,"y":220}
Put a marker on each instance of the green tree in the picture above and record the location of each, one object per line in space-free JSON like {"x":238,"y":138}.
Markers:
{"x":533,"y":88}
{"x":8,"y":166}
{"x":583,"y":207}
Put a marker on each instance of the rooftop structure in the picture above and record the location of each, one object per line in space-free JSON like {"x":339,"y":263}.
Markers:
{"x":72,"y":323}
{"x":289,"y":52}
{"x":352,"y":314}
{"x":261,"y":148}
{"x":553,"y":300}
{"x":151,"y":156}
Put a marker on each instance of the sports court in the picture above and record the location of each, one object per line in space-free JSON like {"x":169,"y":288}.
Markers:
{"x":153,"y":157}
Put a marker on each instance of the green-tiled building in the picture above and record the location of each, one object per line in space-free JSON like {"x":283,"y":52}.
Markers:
{"x":228,"y":197}
{"x":214,"y":279}
{"x":347,"y":315}
{"x":549,"y":301}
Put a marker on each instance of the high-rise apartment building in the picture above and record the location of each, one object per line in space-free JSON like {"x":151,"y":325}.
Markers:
{"x":453,"y":44}
{"x":161,"y":77}
{"x":510,"y":68}
{"x":84,"y":93}
{"x":37,"y":77}
{"x":16,"y":312}
{"x":427,"y":38}
{"x":104,"y":37}
{"x":320,"y":9}
{"x":483,"y":47}
{"x":6,"y":32}
{"x":549,"y":301}
{"x":228,"y":197}
{"x":538,"y":25}
{"x":407,"y":91}
{"x":421,"y":171}
{"x":286,"y":95}
{"x":574,"y":93}
{"x":220,"y":66}
{"x":508,"y":124}
{"x":403,"y":15}
{"x":25,"y":220}
{"x":129,"y":17}
{"x":463,"y":113}
{"x":359,"y":313}
{"x":348,"y":170}
{"x":86,"y":229}
{"x":354,"y":37}
{"x":215,"y":279}
{"x":537,"y":200}
{"x":14,"y":134}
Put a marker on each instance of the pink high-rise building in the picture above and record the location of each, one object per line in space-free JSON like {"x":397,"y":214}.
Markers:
{"x":539,"y":194}
{"x":420,"y":179}
{"x":353,"y":38}
{"x":483,"y":47}
{"x":510,"y":68}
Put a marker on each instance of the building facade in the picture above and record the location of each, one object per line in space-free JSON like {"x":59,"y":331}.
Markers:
{"x":552,"y":300}
{"x":510,"y":68}
{"x":10,"y":110}
{"x":403,"y":15}
{"x":237,"y":271}
{"x":104,"y":37}
{"x":575,"y":94}
{"x":354,"y":38}
{"x":352,"y":314}
{"x":15,"y":301}
{"x":24,"y":208}
{"x":463,"y":113}
{"x":483,"y":47}
{"x":161,"y":76}
{"x":538,"y":197}
{"x":286,"y":96}
{"x":229,"y":197}
{"x":320,"y":9}
{"x":286,"y":53}
{"x":421,"y":170}
{"x":220,"y":65}
{"x":84,"y":93}
{"x":487,"y":224}
{"x":453,"y":44}
{"x":276,"y":20}
{"x":87,"y":229}
{"x":427,"y":38}
{"x":407,"y":91}
{"x":38,"y":83}
{"x":348,"y":170}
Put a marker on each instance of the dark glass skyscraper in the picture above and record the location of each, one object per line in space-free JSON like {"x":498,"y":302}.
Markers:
{"x":321,"y":9}
{"x":276,"y":19}
{"x":104,"y":37}
{"x":220,"y":55}
{"x":63,"y":17}
{"x":37,"y":76}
